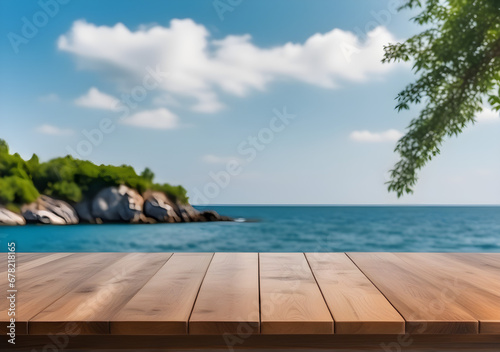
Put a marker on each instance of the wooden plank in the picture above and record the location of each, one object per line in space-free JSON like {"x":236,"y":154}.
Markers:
{"x":485,"y":261}
{"x":164,"y":304}
{"x":427,"y":303}
{"x":33,"y":255}
{"x":3,"y":260}
{"x":21,"y":258}
{"x":436,"y":293}
{"x":228,"y":301}
{"x":90,"y":304}
{"x":36,"y":261}
{"x":24,"y":262}
{"x":27,"y":256}
{"x":291,"y":301}
{"x":356,"y":305}
{"x":219,"y":343}
{"x":24,"y":257}
{"x":40,"y":286}
{"x":477,"y":287}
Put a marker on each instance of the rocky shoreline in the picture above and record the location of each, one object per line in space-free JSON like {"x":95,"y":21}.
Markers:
{"x":110,"y":205}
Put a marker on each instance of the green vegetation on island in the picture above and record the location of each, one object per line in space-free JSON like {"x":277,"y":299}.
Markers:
{"x":69,"y":179}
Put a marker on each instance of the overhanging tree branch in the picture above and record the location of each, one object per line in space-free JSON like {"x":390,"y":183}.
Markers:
{"x":458,"y":60}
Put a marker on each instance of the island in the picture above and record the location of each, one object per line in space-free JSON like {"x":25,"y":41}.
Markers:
{"x":68,"y":191}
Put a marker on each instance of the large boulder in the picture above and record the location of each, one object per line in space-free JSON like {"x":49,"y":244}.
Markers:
{"x":117,"y":204}
{"x":212,"y":215}
{"x":159,"y":207}
{"x":188,"y":213}
{"x":10,"y":218}
{"x":47,"y":210}
{"x":84,"y":212}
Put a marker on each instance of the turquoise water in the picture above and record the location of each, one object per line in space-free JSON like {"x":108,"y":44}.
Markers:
{"x":282,"y":228}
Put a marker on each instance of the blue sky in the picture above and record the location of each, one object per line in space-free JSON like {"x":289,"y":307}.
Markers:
{"x":216,"y":116}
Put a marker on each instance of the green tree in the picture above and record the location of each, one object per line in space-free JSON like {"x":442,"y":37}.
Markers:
{"x":457,"y":60}
{"x":148,"y":175}
{"x":33,"y":164}
{"x":176,"y":193}
{"x":4,"y":147}
{"x":16,"y":190}
{"x":69,"y":179}
{"x":68,"y":191}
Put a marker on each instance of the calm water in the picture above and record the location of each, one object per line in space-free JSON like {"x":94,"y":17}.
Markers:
{"x":291,"y":228}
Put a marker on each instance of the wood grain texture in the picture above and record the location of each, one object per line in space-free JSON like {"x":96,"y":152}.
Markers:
{"x":281,"y":296}
{"x":91,"y":303}
{"x":489,"y":262}
{"x":40,"y":286}
{"x":29,"y":260}
{"x":3,"y":260}
{"x":228,"y":300}
{"x":357,"y":306}
{"x":164,"y":304}
{"x":476,"y":284}
{"x":34,"y":261}
{"x":24,"y":257}
{"x":426,"y":302}
{"x":291,"y":302}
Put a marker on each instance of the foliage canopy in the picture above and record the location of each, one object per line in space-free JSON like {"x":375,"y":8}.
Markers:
{"x":457,"y":59}
{"x":69,"y":179}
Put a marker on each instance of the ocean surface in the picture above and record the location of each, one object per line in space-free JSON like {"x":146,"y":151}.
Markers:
{"x":282,"y":229}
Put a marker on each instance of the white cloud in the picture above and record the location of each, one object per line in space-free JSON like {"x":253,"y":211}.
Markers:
{"x":200,"y":68}
{"x":49,"y":98}
{"x":488,"y":115}
{"x":157,"y":119}
{"x":54,"y":131}
{"x":214,"y":159}
{"x":96,"y":99}
{"x":166,"y":100}
{"x":375,"y":137}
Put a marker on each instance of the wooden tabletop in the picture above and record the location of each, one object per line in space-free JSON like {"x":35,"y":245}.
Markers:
{"x":254,"y":294}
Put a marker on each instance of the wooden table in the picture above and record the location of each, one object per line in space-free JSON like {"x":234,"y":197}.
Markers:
{"x":366,"y":301}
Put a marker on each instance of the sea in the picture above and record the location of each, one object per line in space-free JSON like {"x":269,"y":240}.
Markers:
{"x":282,"y":229}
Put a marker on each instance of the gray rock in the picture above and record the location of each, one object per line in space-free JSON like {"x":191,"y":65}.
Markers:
{"x":143,"y":219}
{"x":212,"y":215}
{"x":83,"y":211}
{"x":43,"y":217}
{"x":188,"y":213}
{"x":159,"y":207}
{"x":10,"y":218}
{"x":47,"y":210}
{"x":117,"y":204}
